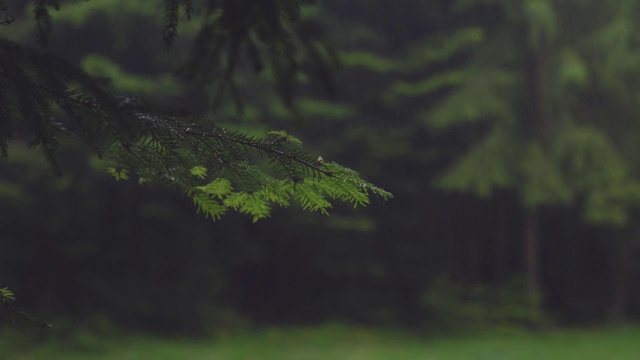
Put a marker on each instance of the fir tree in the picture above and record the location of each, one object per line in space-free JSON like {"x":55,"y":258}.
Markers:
{"x":530,"y":84}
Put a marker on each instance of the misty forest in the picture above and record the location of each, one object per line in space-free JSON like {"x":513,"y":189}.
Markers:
{"x":320,"y":179}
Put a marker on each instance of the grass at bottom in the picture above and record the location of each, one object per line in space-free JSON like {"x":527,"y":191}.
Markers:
{"x":340,"y":343}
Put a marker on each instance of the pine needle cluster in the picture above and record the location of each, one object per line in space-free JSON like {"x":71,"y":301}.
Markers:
{"x":45,"y":97}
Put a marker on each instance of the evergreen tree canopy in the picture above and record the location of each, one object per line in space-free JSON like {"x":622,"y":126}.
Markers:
{"x":533,"y":84}
{"x":529,"y":86}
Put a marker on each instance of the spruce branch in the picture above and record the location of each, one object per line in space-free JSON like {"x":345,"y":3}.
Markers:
{"x":52,"y":98}
{"x":6,"y":301}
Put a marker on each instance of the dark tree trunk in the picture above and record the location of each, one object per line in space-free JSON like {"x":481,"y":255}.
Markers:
{"x":619,"y":260}
{"x":531,"y":244}
{"x":502,"y":262}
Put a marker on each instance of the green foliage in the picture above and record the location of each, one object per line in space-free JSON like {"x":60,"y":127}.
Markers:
{"x":542,"y":22}
{"x":163,"y":145}
{"x":281,"y":135}
{"x":217,"y":188}
{"x":199,"y":172}
{"x":526,"y":84}
{"x":482,"y":96}
{"x":118,"y":174}
{"x":171,"y":16}
{"x":421,"y":56}
{"x":330,"y":109}
{"x":369,"y":61}
{"x":544,"y":181}
{"x":160,"y":86}
{"x":427,"y":86}
{"x":573,"y":70}
{"x":78,"y":13}
{"x":338,"y":182}
{"x":485,"y":167}
{"x":599,"y":173}
{"x":443,"y":47}
{"x":6,"y":295}
{"x":51,"y":99}
{"x":311,"y":199}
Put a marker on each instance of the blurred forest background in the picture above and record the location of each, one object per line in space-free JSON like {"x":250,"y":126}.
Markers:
{"x":508,"y":132}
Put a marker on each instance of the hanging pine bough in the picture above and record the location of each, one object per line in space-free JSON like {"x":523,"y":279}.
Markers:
{"x":217,"y":168}
{"x":48,"y":97}
{"x":6,"y":296}
{"x":54,"y":98}
{"x":10,"y":312}
{"x":222,"y":170}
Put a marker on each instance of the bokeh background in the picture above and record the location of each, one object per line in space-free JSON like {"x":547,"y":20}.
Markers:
{"x":508,"y":132}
